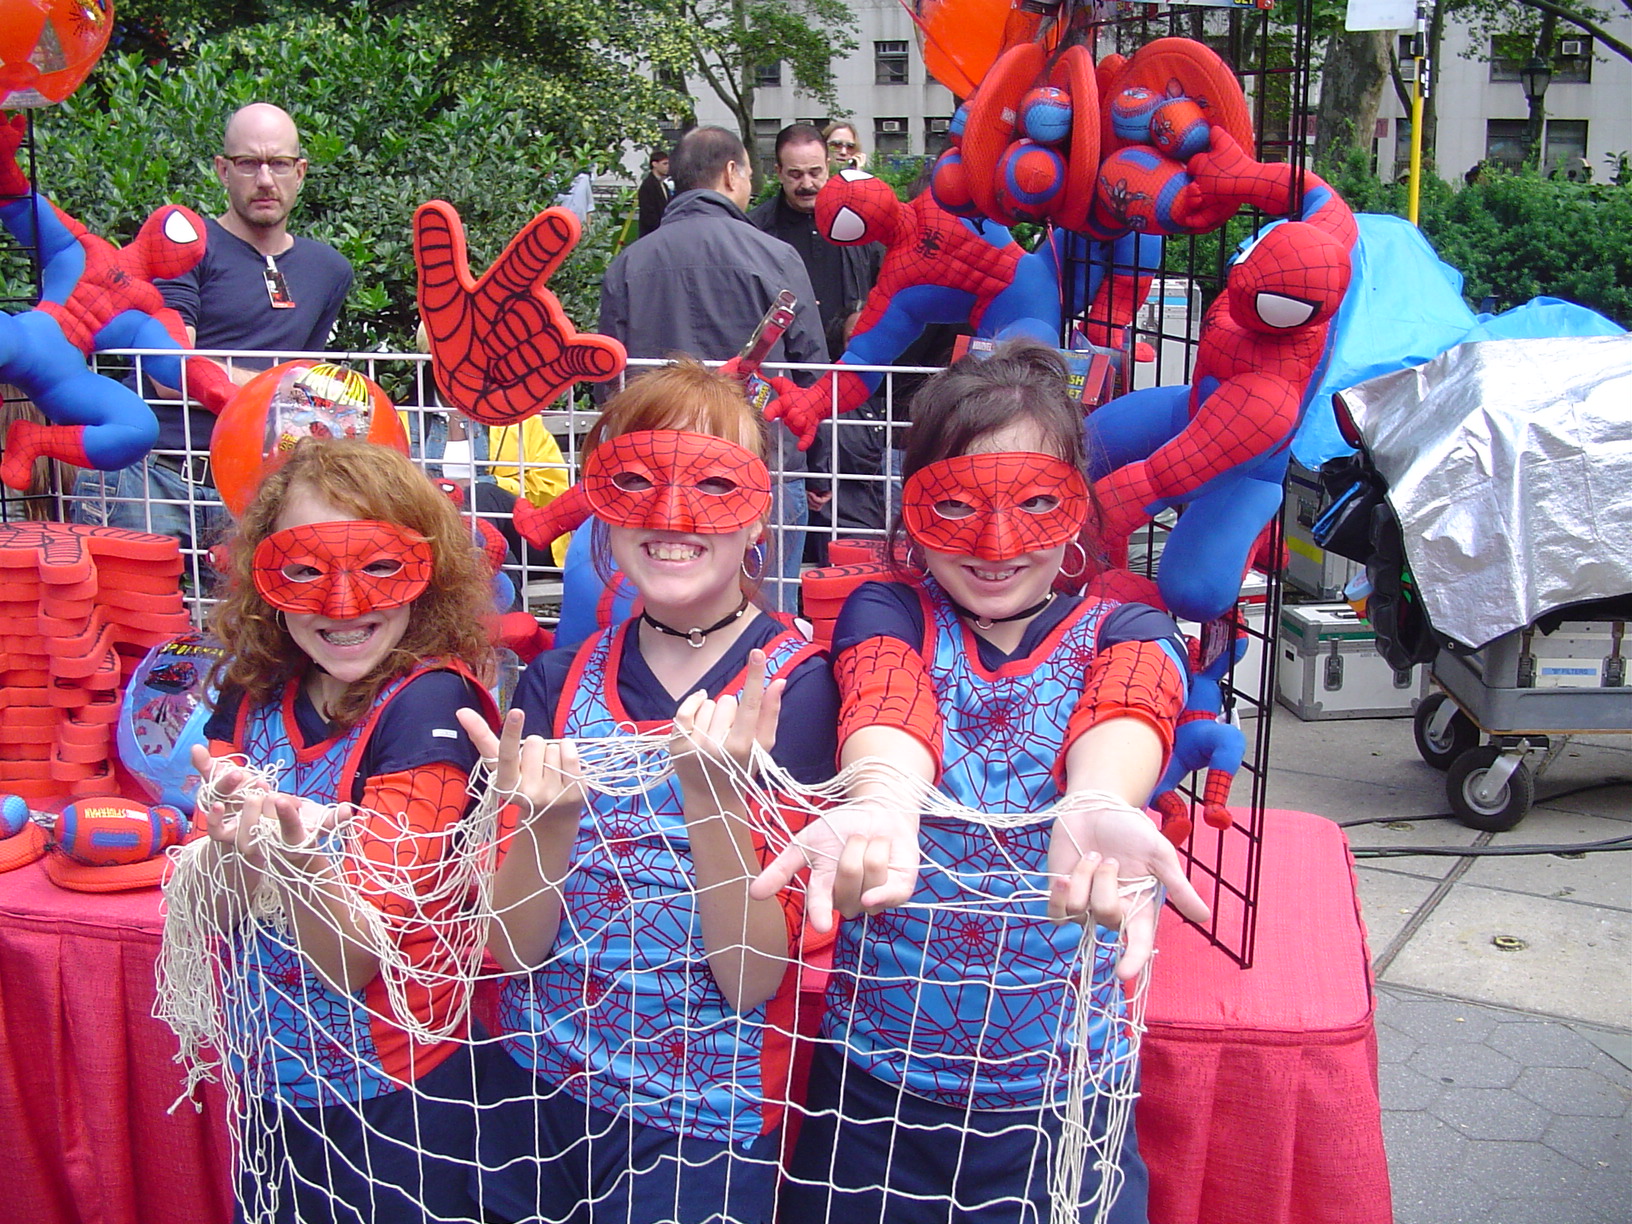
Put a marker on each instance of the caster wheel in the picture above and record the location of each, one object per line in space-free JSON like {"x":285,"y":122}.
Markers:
{"x":1497,"y":814}
{"x":1459,"y":735}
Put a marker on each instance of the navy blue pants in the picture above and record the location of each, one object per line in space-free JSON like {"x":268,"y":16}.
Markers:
{"x":553,"y":1158}
{"x":401,"y":1158}
{"x":893,"y":1158}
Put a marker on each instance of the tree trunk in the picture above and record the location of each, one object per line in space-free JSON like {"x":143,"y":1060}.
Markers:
{"x":1351,"y":90}
{"x":1543,"y":51}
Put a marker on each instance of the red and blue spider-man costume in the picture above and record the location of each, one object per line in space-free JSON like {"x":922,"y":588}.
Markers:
{"x":96,"y":296}
{"x":1218,"y":446}
{"x":939,"y":268}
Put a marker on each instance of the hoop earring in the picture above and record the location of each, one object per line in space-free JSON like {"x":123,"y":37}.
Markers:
{"x":915,"y":561}
{"x":758,"y":553}
{"x":277,"y":619}
{"x":1081,"y":568}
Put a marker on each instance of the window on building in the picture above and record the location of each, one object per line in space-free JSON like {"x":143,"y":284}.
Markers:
{"x":765,"y":131}
{"x":1506,"y":141}
{"x":937,"y":135}
{"x":891,"y":136}
{"x":890,"y":62}
{"x":768,"y":76}
{"x":818,"y":124}
{"x":1564,"y":148}
{"x":1572,"y":65}
{"x":1572,"y":60}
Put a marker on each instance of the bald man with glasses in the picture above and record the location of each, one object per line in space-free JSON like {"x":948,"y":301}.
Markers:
{"x":258,"y":288}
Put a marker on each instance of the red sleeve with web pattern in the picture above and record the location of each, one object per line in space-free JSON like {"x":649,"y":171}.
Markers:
{"x":1128,"y":680}
{"x":883,"y":683}
{"x":406,"y":832}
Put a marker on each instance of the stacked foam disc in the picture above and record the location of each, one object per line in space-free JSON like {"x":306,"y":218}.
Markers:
{"x":824,"y":590}
{"x":79,"y":608}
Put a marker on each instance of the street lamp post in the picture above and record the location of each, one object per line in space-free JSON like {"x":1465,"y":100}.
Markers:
{"x":1534,"y":77}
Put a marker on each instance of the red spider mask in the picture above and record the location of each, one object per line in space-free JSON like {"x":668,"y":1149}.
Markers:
{"x":342,"y":570}
{"x":672,"y":480}
{"x":995,"y":506}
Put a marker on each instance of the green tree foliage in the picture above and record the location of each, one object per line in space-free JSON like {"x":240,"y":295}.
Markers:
{"x":726,"y":42}
{"x":389,"y":119}
{"x":1518,"y":236}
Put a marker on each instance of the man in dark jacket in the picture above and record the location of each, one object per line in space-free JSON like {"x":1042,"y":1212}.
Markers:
{"x":700,"y":285}
{"x":841,"y":277}
{"x":654,"y":193}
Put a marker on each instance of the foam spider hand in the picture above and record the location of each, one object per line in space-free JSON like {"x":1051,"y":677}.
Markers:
{"x":714,"y":739}
{"x":501,"y":346}
{"x":543,"y":775}
{"x":1096,"y":834}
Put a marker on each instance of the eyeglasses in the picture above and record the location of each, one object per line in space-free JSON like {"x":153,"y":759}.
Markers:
{"x":842,"y":146}
{"x":250,"y":167}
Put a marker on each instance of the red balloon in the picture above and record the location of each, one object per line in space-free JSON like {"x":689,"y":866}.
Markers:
{"x":48,"y":48}
{"x":278,"y":407}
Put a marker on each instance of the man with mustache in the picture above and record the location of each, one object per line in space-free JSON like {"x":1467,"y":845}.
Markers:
{"x":841,"y":276}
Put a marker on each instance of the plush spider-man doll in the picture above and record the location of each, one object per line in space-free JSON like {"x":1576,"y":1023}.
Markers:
{"x":96,"y":296}
{"x":1219,"y":446}
{"x":939,"y":268}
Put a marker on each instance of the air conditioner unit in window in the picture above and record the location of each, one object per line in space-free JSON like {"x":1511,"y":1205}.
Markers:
{"x":891,"y":125}
{"x":1408,"y":70}
{"x":1572,"y":48}
{"x":940,"y":125}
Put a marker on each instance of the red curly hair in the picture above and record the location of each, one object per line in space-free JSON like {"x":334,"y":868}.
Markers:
{"x":449,"y":620}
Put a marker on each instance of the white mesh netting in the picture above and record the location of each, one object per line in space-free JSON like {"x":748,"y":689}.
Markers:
{"x":980,"y":1022}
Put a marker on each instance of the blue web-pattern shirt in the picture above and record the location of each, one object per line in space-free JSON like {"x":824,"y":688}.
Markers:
{"x":965,"y":995}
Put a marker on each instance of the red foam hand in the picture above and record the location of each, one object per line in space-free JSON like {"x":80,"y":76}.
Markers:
{"x":802,"y":409}
{"x":501,"y":346}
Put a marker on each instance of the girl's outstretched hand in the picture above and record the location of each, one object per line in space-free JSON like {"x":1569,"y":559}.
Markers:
{"x":545,"y":774}
{"x":862,"y":855}
{"x":712,"y":733}
{"x":1096,"y":848}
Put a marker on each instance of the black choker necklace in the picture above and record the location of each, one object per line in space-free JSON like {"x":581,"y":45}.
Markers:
{"x":986,"y":622}
{"x":695,"y":636}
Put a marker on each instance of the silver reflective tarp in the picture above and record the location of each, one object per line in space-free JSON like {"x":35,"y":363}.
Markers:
{"x":1509,"y":463}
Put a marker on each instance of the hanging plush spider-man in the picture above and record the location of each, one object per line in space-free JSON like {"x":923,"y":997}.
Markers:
{"x":1219,"y":446}
{"x":96,"y":296}
{"x":940,"y":268}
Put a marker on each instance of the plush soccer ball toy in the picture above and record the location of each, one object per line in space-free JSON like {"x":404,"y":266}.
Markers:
{"x":1179,"y":128}
{"x":1045,"y":115}
{"x":1131,"y":112}
{"x":960,"y":120}
{"x":278,"y":407}
{"x":1030,"y":177}
{"x":48,"y":48}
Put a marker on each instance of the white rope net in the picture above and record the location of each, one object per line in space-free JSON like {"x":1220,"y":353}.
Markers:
{"x":1055,"y":1027}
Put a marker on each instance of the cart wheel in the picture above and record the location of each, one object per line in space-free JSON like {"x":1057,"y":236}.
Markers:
{"x":1495,"y":815}
{"x":1457,"y":737}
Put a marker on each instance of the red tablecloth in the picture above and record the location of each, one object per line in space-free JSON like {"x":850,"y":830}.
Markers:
{"x":1260,"y":1100}
{"x":1260,"y":1087}
{"x":86,"y":1073}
